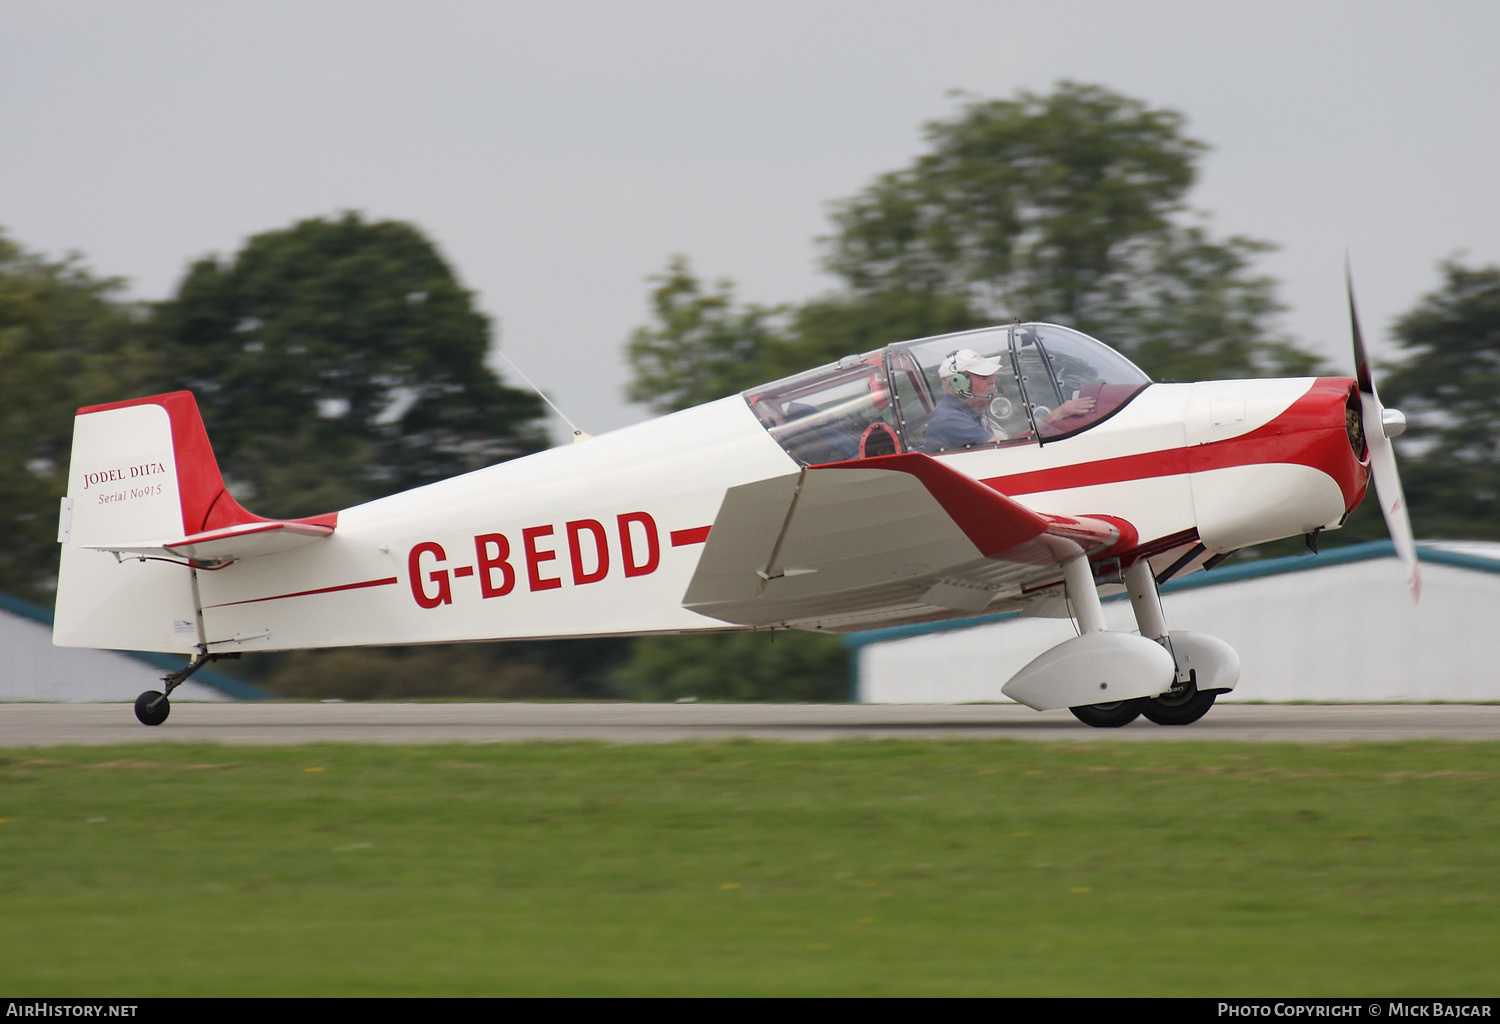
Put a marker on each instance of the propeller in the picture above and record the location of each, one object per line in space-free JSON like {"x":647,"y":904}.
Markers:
{"x":1382,"y":424}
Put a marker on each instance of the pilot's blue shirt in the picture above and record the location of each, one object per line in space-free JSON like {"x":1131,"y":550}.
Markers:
{"x":954,"y":425}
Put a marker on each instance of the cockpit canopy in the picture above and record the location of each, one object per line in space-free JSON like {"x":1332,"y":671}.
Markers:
{"x":1052,"y":382}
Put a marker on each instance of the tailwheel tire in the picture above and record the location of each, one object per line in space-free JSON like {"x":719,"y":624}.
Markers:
{"x":1178,"y":709}
{"x":152,"y":715}
{"x":1109,"y":716}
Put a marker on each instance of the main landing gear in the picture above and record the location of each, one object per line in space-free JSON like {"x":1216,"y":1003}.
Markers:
{"x":1204,"y":666}
{"x":1181,"y":705}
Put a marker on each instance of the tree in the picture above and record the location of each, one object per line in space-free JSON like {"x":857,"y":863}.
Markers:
{"x":556,"y":669}
{"x":66,"y":340}
{"x":752,"y":666}
{"x":334,"y":362}
{"x":337,"y":361}
{"x":1066,"y":207}
{"x":1448,"y":385}
{"x":1027,"y":202}
{"x":828,"y":328}
{"x":701,"y":347}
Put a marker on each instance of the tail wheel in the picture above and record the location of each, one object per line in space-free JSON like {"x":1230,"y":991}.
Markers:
{"x":1182,"y":708}
{"x":152,"y":708}
{"x":1112,"y":716}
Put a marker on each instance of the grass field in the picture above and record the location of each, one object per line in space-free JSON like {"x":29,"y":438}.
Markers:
{"x":876,"y":868}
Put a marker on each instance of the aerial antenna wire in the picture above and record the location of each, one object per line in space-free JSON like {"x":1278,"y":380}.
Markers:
{"x":578,"y":435}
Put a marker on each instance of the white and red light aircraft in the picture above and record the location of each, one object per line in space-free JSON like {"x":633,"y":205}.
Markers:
{"x":836,"y":500}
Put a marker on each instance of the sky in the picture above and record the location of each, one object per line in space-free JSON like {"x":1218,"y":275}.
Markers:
{"x":560,"y":152}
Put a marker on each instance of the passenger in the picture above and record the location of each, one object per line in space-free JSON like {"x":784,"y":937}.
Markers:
{"x":819,"y":444}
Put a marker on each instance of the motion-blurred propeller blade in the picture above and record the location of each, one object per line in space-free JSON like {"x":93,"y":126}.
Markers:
{"x":1380,"y":426}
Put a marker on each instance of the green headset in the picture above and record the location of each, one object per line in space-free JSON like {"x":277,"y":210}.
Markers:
{"x":958,"y":381}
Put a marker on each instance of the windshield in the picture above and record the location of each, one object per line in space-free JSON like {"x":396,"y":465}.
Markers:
{"x":836,"y":412}
{"x":1002,"y":386}
{"x":1083,"y":382}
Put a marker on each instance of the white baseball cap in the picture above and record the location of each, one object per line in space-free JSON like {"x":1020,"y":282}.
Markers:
{"x":966,"y":360}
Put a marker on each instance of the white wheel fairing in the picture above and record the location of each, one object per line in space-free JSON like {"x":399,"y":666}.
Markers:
{"x":1096,"y":668}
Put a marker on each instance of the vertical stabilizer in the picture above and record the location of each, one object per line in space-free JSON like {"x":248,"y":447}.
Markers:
{"x":141,"y":472}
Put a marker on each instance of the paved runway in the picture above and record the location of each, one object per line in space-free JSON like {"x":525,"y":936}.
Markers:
{"x":31,"y":725}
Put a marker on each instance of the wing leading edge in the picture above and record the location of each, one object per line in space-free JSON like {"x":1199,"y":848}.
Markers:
{"x":897,"y":538}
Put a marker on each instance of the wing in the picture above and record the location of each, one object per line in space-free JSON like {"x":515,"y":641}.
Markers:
{"x":898,"y":538}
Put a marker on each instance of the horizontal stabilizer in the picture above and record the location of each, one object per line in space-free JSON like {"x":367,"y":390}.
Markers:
{"x":231,"y":544}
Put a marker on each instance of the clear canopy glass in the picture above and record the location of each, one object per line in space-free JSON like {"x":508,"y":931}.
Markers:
{"x":1048,"y":382}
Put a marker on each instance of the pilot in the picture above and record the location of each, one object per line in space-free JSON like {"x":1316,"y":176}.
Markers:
{"x":968,"y":388}
{"x":969,"y":385}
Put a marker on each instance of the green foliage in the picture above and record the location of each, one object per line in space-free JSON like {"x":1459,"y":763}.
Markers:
{"x":65,"y":341}
{"x":337,"y":361}
{"x":371,"y":673}
{"x":1191,"y":310}
{"x":758,"y":666}
{"x":1065,"y":208}
{"x":829,"y":328}
{"x":523,"y":670}
{"x":1448,"y":385}
{"x":701,"y":347}
{"x":1028,"y":203}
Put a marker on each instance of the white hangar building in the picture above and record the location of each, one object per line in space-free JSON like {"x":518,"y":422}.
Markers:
{"x":32,"y":669}
{"x":1338,"y":626}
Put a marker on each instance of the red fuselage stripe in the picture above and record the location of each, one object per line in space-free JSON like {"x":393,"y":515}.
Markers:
{"x":1308,"y":433}
{"x":697,"y":535}
{"x":307,"y":593}
{"x":1089,"y":474}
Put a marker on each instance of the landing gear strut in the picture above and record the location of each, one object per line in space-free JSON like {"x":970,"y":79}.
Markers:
{"x":152,"y":707}
{"x":1197,"y":658}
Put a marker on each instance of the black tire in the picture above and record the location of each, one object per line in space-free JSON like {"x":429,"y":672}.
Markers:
{"x":152,"y":715}
{"x":1109,"y":716}
{"x":1179,"y":709}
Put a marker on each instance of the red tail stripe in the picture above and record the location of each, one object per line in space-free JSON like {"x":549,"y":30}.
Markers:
{"x":206,"y":504}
